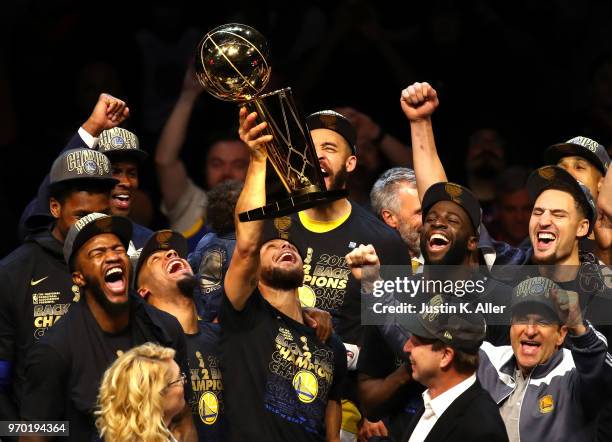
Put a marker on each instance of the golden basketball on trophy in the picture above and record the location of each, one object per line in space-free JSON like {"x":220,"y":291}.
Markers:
{"x":232,"y":65}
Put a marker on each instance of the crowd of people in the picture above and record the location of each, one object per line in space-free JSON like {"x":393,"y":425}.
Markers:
{"x":214,"y":329}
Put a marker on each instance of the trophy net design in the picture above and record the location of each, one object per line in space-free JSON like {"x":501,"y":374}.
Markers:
{"x":232,"y":65}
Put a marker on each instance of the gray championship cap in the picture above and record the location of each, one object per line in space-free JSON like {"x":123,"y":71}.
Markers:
{"x":82,"y":164}
{"x":583,"y":147}
{"x":120,"y":142}
{"x":533,"y":294}
{"x":92,"y":225}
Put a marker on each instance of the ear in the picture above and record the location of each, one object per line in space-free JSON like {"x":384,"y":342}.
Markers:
{"x":350,"y":163}
{"x":55,"y":207}
{"x":78,"y":278}
{"x":562,"y":335}
{"x":447,"y":357}
{"x":472,"y":244}
{"x":144,"y":292}
{"x":599,"y":184}
{"x":583,"y":227}
{"x":389,"y":218}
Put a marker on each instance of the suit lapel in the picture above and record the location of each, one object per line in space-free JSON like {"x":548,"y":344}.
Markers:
{"x":449,"y":419}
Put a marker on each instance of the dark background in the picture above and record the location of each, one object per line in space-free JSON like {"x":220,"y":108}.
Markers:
{"x":539,"y":72}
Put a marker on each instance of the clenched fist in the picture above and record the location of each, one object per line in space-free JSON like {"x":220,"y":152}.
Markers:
{"x":108,"y":112}
{"x":419,"y":101}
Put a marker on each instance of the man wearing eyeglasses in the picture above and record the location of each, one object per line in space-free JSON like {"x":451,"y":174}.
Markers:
{"x":545,"y":391}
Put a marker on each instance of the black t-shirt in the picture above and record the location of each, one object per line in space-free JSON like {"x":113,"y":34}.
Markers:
{"x":65,"y":368}
{"x":207,"y":404}
{"x":378,"y":360}
{"x":278,"y":375}
{"x":36,"y":290}
{"x":328,"y":282}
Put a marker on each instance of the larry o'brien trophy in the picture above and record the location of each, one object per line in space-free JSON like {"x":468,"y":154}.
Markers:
{"x":232,"y":65}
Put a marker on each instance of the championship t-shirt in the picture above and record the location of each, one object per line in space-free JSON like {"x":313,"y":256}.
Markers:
{"x":207,"y":399}
{"x":328,"y":282}
{"x":282,"y":375}
{"x":64,"y":369}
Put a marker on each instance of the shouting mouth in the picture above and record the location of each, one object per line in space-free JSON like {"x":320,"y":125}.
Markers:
{"x":115,"y":281}
{"x":529,"y":348}
{"x":545,"y":240}
{"x":176,"y":266}
{"x":438,"y":242}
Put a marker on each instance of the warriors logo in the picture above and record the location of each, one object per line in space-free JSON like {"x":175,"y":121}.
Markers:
{"x":306,"y":386}
{"x":208,"y":408}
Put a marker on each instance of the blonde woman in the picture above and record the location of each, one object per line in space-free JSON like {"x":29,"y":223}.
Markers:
{"x":139,"y":395}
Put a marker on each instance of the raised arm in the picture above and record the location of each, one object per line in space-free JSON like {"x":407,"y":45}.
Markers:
{"x":107,"y":113}
{"x":170,"y":168}
{"x":241,"y":276}
{"x":418,"y":102}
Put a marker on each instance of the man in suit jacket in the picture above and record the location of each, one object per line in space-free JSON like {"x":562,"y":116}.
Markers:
{"x":443,"y":352}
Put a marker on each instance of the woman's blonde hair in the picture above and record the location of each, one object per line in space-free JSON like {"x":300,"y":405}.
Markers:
{"x":130,"y":402}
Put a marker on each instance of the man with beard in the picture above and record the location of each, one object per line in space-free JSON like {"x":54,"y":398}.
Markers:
{"x":326,"y":234}
{"x":35,"y":285}
{"x":270,"y":359}
{"x":100,"y":132}
{"x":164,"y":278}
{"x":395,"y":201}
{"x":64,"y":369}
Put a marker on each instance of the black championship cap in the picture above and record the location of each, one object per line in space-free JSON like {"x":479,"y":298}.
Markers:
{"x":82,"y":163}
{"x":332,"y":120}
{"x":554,"y":177}
{"x":118,"y":141}
{"x":457,"y":194}
{"x":583,"y":147}
{"x":92,"y":225}
{"x":533,"y":293}
{"x":446,"y":322}
{"x":162,"y":240}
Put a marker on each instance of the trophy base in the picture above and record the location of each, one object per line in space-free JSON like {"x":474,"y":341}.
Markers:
{"x":293,"y":204}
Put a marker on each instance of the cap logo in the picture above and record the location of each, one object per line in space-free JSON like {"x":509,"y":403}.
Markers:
{"x":454,"y":192}
{"x":448,"y":336}
{"x":533,"y":287}
{"x":328,"y":121}
{"x":90,"y":167}
{"x":162,"y":239}
{"x":282,"y":226}
{"x":105,"y":224}
{"x":547,"y":404}
{"x":434,"y":301}
{"x":117,"y":142}
{"x":87,"y":161}
{"x":548,"y":173}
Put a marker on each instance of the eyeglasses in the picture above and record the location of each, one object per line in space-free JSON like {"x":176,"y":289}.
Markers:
{"x":540,"y":322}
{"x":182,"y":380}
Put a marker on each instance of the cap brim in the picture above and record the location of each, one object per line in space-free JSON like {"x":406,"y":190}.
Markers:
{"x":557,"y":151}
{"x":138,"y":154}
